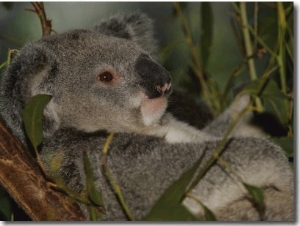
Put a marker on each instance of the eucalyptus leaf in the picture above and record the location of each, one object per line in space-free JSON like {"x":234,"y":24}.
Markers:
{"x":272,"y":91}
{"x":5,"y":207}
{"x":252,"y":87}
{"x":286,"y":143}
{"x":94,"y":195}
{"x":277,"y":108}
{"x":95,"y":214}
{"x":274,"y":98}
{"x":209,"y":215}
{"x":275,"y":101}
{"x":32,"y":117}
{"x":169,"y":207}
{"x":257,"y":194}
{"x":268,"y":28}
{"x":269,"y":90}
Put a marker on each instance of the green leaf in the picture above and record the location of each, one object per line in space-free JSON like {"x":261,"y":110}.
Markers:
{"x":94,"y":214}
{"x":257,"y":194}
{"x":252,"y":87}
{"x":32,"y":116}
{"x":286,"y":143}
{"x":272,"y":91}
{"x":5,"y":205}
{"x":206,"y":32}
{"x":274,"y":98}
{"x":274,"y":101}
{"x":269,"y":90}
{"x":169,"y":207}
{"x":208,"y":214}
{"x":94,"y":195}
{"x":5,"y":208}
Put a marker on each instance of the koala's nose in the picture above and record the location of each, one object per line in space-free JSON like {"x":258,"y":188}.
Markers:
{"x":155,"y":79}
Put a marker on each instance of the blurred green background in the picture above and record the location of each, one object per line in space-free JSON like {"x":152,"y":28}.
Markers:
{"x":18,"y":26}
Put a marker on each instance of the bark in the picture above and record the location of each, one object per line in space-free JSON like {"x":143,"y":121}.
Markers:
{"x":21,"y":176}
{"x":45,"y":22}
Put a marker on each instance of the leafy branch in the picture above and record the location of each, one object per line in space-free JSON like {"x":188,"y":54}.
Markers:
{"x":192,"y":48}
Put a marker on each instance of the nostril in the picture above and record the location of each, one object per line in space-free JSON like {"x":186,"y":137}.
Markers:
{"x":169,"y":86}
{"x":154,"y":78}
{"x":163,"y":89}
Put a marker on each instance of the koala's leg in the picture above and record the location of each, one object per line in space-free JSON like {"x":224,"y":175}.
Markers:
{"x":279,"y":206}
{"x":219,"y":126}
{"x":177,"y":131}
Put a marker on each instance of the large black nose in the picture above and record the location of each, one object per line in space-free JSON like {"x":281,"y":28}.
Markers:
{"x":154,"y":78}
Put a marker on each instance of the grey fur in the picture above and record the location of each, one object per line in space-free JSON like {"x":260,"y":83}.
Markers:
{"x":145,"y":166}
{"x":127,"y":27}
{"x":73,"y":68}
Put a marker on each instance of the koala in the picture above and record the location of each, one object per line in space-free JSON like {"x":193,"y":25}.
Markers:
{"x":106,"y":80}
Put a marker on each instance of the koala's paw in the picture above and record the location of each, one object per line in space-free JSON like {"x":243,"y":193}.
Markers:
{"x":240,"y":103}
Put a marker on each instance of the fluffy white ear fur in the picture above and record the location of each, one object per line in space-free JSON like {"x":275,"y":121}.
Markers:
{"x":50,"y":112}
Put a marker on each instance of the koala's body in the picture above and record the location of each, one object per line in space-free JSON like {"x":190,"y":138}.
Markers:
{"x":107,"y":80}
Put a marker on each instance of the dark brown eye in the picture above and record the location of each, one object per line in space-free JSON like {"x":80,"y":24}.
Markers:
{"x":105,"y":77}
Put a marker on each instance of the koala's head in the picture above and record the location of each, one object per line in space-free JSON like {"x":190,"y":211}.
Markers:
{"x":101,"y":79}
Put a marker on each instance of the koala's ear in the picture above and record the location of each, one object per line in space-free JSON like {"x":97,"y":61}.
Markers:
{"x":30,"y":73}
{"x":137,"y":27}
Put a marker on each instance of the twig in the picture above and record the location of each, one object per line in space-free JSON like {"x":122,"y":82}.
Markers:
{"x":281,"y":54}
{"x":248,"y":45}
{"x":255,"y":24}
{"x":40,"y":11}
{"x":113,"y":183}
{"x":249,"y":48}
{"x":193,"y":53}
{"x":216,"y":154}
{"x":237,"y":71}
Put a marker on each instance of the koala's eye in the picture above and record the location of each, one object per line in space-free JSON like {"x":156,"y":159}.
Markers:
{"x":105,"y":77}
{"x":108,"y":77}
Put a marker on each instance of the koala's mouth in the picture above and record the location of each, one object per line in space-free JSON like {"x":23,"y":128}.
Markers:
{"x":153,"y":109}
{"x":152,"y":102}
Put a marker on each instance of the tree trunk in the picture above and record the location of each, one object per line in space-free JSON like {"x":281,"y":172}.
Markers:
{"x":21,"y":176}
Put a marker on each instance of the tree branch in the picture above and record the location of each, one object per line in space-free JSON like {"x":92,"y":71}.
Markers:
{"x":40,"y":11}
{"x":21,"y":176}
